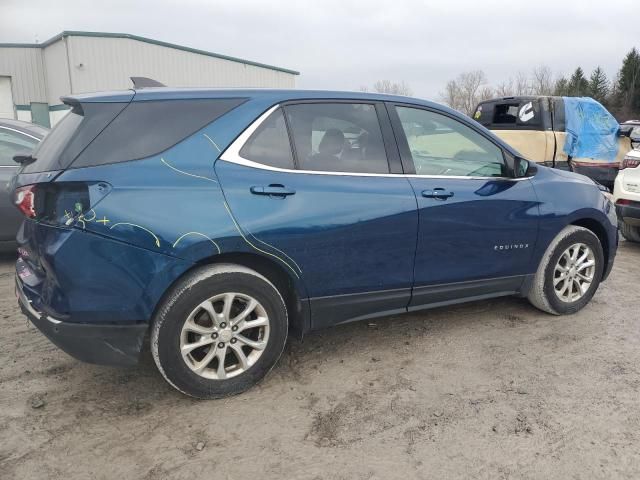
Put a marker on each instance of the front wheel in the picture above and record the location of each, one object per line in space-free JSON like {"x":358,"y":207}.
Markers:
{"x":569,"y":272}
{"x":219,"y":331}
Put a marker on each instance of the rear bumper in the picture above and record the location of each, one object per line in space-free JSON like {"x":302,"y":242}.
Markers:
{"x":101,"y":344}
{"x":629,"y":214}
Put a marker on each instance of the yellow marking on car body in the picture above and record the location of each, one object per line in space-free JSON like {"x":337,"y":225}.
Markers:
{"x":212,"y":142}
{"x":186,"y":173}
{"x":89,"y":219}
{"x":278,"y":250}
{"x":137,"y":226}
{"x":196,"y":233}
{"x":252,"y":245}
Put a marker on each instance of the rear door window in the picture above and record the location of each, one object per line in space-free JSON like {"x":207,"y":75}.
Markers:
{"x":269,"y":144}
{"x":337,"y":137}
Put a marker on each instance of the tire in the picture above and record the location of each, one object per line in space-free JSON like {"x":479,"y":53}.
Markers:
{"x":629,"y":232}
{"x":543,"y":294}
{"x":186,"y":308}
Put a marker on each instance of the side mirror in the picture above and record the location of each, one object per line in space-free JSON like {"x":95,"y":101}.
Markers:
{"x":517,"y":166}
{"x":521,"y":167}
{"x":23,"y":158}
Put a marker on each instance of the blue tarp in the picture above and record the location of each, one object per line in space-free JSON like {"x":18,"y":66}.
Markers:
{"x":592,"y":132}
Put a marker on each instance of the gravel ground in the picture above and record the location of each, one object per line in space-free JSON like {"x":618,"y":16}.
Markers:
{"x":491,"y":389}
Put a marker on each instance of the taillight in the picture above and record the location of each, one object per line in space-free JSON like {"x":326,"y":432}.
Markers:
{"x":629,"y":162}
{"x":623,"y":201}
{"x":25,"y":200}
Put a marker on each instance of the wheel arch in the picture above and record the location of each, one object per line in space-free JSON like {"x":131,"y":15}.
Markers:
{"x":599,"y":231}
{"x":291,"y":289}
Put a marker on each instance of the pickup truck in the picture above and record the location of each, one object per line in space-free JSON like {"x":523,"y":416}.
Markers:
{"x":571,"y":133}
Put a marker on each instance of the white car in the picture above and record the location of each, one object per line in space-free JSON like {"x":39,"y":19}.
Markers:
{"x":626,"y":192}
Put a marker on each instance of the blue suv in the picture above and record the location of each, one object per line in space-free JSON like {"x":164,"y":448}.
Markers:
{"x":218,"y":221}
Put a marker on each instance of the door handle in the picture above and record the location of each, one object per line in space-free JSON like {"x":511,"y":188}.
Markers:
{"x":439,"y":193}
{"x":274,"y":190}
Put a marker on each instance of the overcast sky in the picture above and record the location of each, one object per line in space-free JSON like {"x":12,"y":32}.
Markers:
{"x":345,"y":44}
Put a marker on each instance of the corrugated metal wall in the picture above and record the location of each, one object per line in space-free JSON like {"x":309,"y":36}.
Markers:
{"x":107,"y":63}
{"x":88,"y":63}
{"x":56,"y":71}
{"x":24,"y":66}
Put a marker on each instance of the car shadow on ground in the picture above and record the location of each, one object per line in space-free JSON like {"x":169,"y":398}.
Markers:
{"x":135,"y":389}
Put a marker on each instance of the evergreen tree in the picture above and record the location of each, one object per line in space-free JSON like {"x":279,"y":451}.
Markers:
{"x":628,"y":85}
{"x":598,"y":85}
{"x":561,"y":87}
{"x":578,"y":85}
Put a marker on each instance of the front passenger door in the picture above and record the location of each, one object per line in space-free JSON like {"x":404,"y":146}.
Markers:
{"x":477,"y":227}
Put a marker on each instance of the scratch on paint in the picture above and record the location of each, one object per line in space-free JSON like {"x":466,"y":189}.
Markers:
{"x":212,"y":142}
{"x":137,"y":226}
{"x":196,"y":233}
{"x":185,"y":173}
{"x":252,"y":245}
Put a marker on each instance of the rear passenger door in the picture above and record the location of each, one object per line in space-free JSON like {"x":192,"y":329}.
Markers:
{"x":478,"y":226}
{"x":310,"y":185}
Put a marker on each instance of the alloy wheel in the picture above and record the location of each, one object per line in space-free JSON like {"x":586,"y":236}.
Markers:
{"x":224,"y":335}
{"x":574,"y":272}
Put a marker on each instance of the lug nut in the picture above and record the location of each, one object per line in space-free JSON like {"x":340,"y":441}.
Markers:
{"x":234,"y":328}
{"x":233,"y":340}
{"x":214,"y":335}
{"x":223,"y":325}
{"x":221,"y":345}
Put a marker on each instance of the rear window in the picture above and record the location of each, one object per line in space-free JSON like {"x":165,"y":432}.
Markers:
{"x":49,"y":150}
{"x":149,"y":127}
{"x":518,"y":114}
{"x":101,"y":133}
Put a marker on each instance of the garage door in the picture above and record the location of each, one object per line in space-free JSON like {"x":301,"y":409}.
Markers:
{"x":6,"y":98}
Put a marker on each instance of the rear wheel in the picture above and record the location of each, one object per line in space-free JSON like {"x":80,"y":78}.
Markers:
{"x":569,"y":273}
{"x":219,"y":331}
{"x":629,"y":232}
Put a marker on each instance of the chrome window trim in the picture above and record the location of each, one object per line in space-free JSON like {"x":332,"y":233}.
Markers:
{"x":232,"y":155}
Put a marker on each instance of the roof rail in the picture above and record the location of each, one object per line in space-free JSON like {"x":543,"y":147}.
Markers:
{"x":144,"y":82}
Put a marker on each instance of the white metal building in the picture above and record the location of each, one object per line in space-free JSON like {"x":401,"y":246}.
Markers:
{"x":33,"y":77}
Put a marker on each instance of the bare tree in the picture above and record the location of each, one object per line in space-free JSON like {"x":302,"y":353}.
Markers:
{"x":464,"y":92}
{"x":542,"y":81}
{"x":505,"y":89}
{"x":393,"y":88}
{"x":452,"y":95}
{"x":522,"y":86}
{"x":486,"y":93}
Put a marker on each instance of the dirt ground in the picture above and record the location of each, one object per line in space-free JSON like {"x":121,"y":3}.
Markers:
{"x":492,"y":389}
